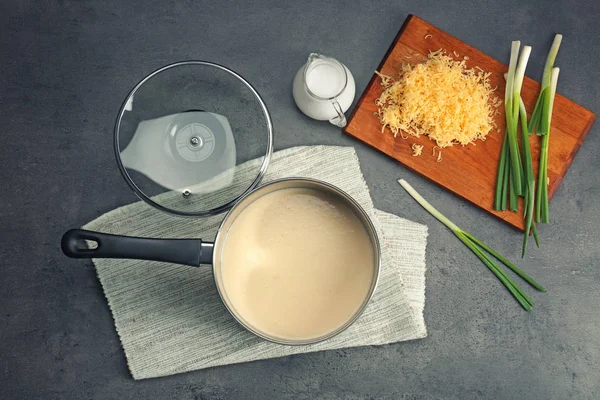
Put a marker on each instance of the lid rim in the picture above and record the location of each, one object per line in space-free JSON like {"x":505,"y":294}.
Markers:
{"x":217,"y":210}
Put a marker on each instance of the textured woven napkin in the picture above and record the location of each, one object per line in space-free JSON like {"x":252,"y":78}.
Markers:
{"x":170,"y":319}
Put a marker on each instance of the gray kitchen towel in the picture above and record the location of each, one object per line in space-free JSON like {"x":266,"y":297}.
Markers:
{"x":169,"y":317}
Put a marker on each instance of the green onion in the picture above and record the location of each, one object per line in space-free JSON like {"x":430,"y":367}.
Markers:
{"x":513,"y":199}
{"x":513,"y":90}
{"x":537,"y":121}
{"x":500,"y":199}
{"x":540,"y":122}
{"x":542,"y":212}
{"x":535,"y":115}
{"x":478,"y":247}
{"x":535,"y":235}
{"x":529,"y":197}
{"x":505,"y":186}
{"x":512,"y":175}
{"x":546,"y":113}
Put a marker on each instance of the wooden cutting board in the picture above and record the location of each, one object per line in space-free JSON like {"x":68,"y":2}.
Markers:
{"x":469,"y":172}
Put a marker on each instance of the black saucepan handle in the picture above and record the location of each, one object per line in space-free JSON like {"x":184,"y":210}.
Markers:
{"x":179,"y":251}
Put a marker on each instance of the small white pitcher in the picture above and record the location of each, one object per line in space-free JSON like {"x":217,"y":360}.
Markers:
{"x":324,"y":89}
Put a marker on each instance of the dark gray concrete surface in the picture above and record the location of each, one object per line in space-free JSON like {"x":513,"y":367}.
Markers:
{"x":67,"y":65}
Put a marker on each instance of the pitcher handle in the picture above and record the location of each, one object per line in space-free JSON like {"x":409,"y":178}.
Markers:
{"x":340,"y":119}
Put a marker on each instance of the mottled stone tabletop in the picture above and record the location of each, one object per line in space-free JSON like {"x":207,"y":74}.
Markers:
{"x":67,"y":65}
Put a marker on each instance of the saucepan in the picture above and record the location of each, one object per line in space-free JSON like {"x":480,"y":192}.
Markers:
{"x":328,"y":304}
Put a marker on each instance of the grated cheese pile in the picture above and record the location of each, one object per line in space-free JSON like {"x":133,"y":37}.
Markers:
{"x":439,"y":98}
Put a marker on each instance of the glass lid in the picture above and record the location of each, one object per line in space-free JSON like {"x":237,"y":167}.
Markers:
{"x":193,"y":137}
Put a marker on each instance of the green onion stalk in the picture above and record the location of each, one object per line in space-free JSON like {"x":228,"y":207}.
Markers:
{"x":479,"y":249}
{"x":513,"y":89}
{"x":546,"y":101}
{"x":510,"y":170}
{"x":540,"y":123}
{"x":529,"y":195}
{"x":542,"y":184}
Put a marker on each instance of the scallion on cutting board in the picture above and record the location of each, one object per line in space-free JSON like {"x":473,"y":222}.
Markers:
{"x":529,"y":194}
{"x":479,"y":249}
{"x":522,"y":182}
{"x":510,"y":175}
{"x":540,"y":122}
{"x":542,"y":213}
{"x":528,"y":180}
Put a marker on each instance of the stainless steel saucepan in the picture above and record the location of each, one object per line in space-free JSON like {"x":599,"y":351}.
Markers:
{"x":195,"y":252}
